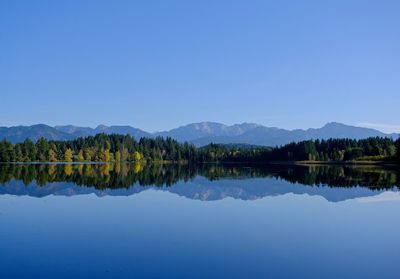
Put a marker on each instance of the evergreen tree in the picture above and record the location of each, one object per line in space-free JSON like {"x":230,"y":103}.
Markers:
{"x":18,"y":153}
{"x":28,"y":151}
{"x":87,"y":155}
{"x":42,"y":147}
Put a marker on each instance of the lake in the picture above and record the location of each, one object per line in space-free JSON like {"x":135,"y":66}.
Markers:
{"x":205,"y":221}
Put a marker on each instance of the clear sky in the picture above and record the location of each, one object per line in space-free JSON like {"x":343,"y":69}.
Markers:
{"x":160,"y":64}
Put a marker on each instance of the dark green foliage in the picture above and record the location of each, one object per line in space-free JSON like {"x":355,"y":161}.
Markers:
{"x":28,"y":151}
{"x":333,"y":150}
{"x":318,"y":150}
{"x":231,"y":153}
{"x":7,"y":153}
{"x":104,"y":147}
{"x":353,"y":153}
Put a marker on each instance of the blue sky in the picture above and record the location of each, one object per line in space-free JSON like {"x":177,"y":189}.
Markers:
{"x":160,"y":64}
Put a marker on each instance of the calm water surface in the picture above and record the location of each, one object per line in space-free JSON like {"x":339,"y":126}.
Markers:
{"x":208,"y":221}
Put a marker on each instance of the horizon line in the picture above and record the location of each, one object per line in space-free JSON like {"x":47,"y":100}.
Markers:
{"x":381,"y":127}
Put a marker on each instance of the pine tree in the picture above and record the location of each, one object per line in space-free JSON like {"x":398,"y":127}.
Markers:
{"x":87,"y":155}
{"x":28,"y":151}
{"x":42,"y":150}
{"x":18,"y":153}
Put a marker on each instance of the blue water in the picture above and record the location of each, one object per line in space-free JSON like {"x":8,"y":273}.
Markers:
{"x":230,"y":228}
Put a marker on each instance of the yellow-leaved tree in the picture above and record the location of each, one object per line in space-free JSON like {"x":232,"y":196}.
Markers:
{"x":137,"y":156}
{"x":68,"y":169}
{"x":80,"y":156}
{"x":68,"y":155}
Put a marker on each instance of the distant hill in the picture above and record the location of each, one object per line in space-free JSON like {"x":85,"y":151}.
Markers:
{"x":261,"y":135}
{"x":199,"y":134}
{"x":76,"y":131}
{"x":34,"y":132}
{"x":196,"y":131}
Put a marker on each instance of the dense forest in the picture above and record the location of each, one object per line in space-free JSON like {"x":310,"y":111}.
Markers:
{"x":119,"y":148}
{"x":332,"y":150}
{"x":99,"y":148}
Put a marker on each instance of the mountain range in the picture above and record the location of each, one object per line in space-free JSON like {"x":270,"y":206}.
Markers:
{"x":199,"y":134}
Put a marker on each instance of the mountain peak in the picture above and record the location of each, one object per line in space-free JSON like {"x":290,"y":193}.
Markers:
{"x":101,"y":127}
{"x":335,"y":125}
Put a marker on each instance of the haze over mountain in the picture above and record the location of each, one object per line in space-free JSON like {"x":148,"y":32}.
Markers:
{"x":198,"y":133}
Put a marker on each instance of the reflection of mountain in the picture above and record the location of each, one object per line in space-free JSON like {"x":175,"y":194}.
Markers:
{"x":206,"y":183}
{"x":199,"y":189}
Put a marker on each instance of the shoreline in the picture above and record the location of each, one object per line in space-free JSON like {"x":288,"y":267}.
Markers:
{"x":298,"y":163}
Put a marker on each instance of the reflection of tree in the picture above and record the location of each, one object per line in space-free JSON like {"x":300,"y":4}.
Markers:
{"x":339,"y":176}
{"x":122,"y":175}
{"x":68,"y":169}
{"x":137,"y":167}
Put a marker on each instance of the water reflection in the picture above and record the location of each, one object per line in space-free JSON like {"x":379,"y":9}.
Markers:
{"x":203,"y":182}
{"x":266,"y":221}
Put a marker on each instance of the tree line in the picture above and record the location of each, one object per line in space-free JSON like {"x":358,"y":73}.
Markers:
{"x":331,"y":150}
{"x":124,"y":148}
{"x":99,"y":148}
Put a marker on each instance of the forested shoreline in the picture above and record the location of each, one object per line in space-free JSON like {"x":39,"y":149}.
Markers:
{"x":124,"y":148}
